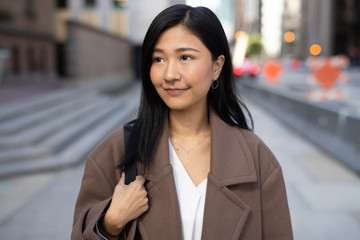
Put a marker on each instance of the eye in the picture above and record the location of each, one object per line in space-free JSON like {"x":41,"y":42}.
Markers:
{"x":157,"y":59}
{"x":185,"y":58}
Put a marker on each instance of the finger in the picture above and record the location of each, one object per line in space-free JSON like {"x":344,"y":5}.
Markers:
{"x":140,"y":180}
{"x":122,"y":178}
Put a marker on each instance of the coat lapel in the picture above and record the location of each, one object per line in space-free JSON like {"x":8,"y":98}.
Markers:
{"x":231,"y":164}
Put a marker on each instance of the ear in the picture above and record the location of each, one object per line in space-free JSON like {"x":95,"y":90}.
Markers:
{"x":217,"y":66}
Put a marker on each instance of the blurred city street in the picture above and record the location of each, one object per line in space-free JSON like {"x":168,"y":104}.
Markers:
{"x":69,"y":76}
{"x":323,"y":194}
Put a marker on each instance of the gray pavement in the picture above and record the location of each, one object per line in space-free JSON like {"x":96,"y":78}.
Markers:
{"x":323,"y":194}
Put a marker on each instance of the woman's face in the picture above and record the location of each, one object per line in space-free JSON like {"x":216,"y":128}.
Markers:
{"x":182,"y":69}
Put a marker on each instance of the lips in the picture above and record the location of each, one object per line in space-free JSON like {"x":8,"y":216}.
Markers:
{"x":176,"y":91}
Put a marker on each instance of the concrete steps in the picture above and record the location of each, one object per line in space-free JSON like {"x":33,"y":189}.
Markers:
{"x":39,"y":132}
{"x":43,"y":114}
{"x":58,"y":130}
{"x":18,"y":108}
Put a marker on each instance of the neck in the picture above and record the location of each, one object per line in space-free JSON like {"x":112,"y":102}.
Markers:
{"x":184,"y":124}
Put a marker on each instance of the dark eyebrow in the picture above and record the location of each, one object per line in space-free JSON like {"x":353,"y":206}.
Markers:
{"x":186,"y":49}
{"x":177,"y":50}
{"x":158,"y":50}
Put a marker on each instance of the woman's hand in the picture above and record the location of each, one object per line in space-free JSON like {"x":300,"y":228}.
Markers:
{"x":128,"y":202}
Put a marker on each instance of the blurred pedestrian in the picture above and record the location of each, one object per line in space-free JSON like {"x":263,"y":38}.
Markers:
{"x":203,"y":174}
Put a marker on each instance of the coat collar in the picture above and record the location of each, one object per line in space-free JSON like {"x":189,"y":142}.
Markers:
{"x":231,"y":159}
{"x":231,"y":164}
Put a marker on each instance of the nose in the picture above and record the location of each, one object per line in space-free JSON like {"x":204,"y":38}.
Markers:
{"x":172,"y":73}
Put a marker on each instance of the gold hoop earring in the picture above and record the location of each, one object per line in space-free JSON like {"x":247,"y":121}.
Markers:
{"x":215,"y":84}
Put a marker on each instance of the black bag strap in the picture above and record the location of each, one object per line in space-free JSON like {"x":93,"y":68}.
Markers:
{"x":130,"y":170}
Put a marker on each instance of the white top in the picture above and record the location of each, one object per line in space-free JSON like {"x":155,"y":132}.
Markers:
{"x":191,"y":198}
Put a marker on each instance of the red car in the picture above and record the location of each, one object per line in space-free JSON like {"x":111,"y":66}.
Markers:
{"x":247,"y":69}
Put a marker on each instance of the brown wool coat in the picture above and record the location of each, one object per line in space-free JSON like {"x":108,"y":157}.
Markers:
{"x":245,"y":198}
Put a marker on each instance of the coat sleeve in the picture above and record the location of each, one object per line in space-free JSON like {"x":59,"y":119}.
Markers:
{"x":99,"y":180}
{"x":93,"y":199}
{"x":275,"y":210}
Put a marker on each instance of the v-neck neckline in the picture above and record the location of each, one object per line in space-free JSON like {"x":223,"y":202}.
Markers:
{"x":176,"y":160}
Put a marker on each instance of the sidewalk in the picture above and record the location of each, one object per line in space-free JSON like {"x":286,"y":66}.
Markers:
{"x":323,"y":195}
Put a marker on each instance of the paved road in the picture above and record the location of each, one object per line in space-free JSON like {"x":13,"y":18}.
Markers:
{"x":323,"y":195}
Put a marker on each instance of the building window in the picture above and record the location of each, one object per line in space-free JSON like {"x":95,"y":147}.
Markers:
{"x":119,"y":4}
{"x":43,"y":60}
{"x":90,"y":3}
{"x":15,"y":60}
{"x":31,"y":60}
{"x":30,"y":9}
{"x":346,"y":30}
{"x":61,"y":4}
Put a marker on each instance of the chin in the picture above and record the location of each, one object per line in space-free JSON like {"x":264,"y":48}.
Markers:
{"x":176,"y":108}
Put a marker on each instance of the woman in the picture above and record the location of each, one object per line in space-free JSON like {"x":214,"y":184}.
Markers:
{"x":202,"y":173}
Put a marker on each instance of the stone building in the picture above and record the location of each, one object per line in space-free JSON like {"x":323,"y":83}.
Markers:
{"x":27,"y":31}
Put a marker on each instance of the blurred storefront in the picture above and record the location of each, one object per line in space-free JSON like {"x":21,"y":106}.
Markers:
{"x":346,"y":32}
{"x":27,"y":32}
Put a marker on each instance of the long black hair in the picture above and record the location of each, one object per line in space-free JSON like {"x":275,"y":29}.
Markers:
{"x":148,"y":126}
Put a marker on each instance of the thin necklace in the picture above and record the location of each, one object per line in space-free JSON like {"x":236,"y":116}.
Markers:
{"x":188,"y":151}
